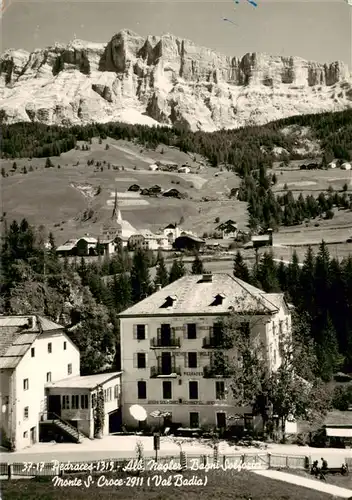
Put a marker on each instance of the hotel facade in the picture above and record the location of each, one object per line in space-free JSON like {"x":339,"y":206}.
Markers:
{"x":173,"y":355}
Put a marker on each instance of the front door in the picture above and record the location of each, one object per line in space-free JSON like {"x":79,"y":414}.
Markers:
{"x":54,"y":405}
{"x":221,"y":420}
{"x":166,"y":363}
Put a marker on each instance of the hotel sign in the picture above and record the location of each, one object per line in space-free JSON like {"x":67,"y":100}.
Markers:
{"x":193,"y":374}
{"x":195,"y":403}
{"x":201,"y":354}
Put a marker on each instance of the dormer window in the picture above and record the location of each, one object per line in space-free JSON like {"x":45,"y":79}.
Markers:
{"x":218,"y":299}
{"x":169,"y":301}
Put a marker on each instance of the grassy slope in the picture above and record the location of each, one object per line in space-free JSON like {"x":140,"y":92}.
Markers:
{"x":46,"y":196}
{"x":224,"y":485}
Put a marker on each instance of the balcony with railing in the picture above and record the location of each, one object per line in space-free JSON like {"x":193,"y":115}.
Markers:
{"x":160,"y":371}
{"x":213,"y":371}
{"x":161,"y":342}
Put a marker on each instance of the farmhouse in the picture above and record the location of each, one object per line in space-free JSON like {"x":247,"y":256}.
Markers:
{"x":167,"y":165}
{"x":332,"y":164}
{"x":188,"y":242}
{"x":35,"y":351}
{"x":82,"y":247}
{"x":346,"y":166}
{"x":228,"y":229}
{"x":153,"y":167}
{"x":170,"y":348}
{"x":184,"y":170}
{"x":173,"y":192}
{"x":68,"y":248}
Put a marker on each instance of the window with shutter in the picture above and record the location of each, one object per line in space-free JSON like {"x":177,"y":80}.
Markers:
{"x":134,"y":331}
{"x":141,"y":332}
{"x":145,"y":331}
{"x":135,"y":362}
{"x":141,"y":362}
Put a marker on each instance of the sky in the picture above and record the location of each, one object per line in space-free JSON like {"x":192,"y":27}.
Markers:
{"x":319,"y":30}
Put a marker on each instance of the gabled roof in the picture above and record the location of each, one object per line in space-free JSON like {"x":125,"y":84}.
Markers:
{"x":338,"y":419}
{"x":17,"y":334}
{"x":84,"y":382}
{"x":69,"y":245}
{"x":227,"y":225}
{"x":195,"y":296}
{"x":191,"y":237}
{"x":170,"y":226}
{"x":88,"y":239}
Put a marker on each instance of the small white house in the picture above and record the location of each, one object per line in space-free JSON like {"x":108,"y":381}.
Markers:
{"x":153,"y":167}
{"x":332,"y":164}
{"x":184,"y":170}
{"x":346,"y":166}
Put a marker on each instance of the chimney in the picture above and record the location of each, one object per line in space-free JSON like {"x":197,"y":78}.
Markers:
{"x":208,"y":278}
{"x":30,"y":323}
{"x":158,"y":287}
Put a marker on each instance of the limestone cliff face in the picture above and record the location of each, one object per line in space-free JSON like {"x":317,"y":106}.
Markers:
{"x":164,"y":80}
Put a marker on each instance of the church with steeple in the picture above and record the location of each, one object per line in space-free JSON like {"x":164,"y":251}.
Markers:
{"x":116,"y":227}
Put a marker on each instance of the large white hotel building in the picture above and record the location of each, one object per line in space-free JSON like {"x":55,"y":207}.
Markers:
{"x":171,"y":343}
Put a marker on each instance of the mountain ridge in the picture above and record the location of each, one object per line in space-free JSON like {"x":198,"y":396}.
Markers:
{"x":164,"y":80}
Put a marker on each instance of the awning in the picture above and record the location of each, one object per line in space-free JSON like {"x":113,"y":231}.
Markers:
{"x":347,"y":433}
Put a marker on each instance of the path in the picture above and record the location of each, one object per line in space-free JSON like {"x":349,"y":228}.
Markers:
{"x":307,"y":483}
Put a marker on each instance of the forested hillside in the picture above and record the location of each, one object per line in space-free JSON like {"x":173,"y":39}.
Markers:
{"x":249,"y":152}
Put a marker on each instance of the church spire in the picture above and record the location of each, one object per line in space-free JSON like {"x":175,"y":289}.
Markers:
{"x":116,"y":213}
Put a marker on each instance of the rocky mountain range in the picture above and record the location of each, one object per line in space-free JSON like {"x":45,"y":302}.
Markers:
{"x":165,"y":80}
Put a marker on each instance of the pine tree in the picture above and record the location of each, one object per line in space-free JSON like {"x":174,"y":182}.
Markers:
{"x":305,"y":298}
{"x":48,"y":163}
{"x":121,"y":292}
{"x":197,"y":265}
{"x":161,"y":277}
{"x":140,"y":278}
{"x":267,"y":274}
{"x":293,"y":276}
{"x":322,"y":279}
{"x":177,"y":270}
{"x":282,"y":275}
{"x":240,"y":269}
{"x":328,"y":353}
